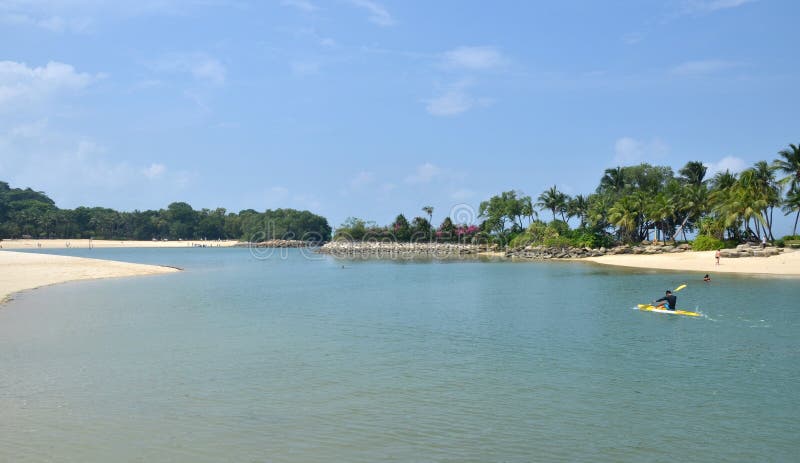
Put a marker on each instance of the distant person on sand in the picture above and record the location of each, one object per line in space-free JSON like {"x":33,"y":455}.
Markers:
{"x":706,"y":278}
{"x":717,"y":255}
{"x":669,"y":300}
{"x":764,"y":242}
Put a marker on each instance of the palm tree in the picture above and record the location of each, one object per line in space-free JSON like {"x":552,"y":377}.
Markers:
{"x":768,"y":190}
{"x":428,"y":210}
{"x":723,"y":180}
{"x":578,"y":207}
{"x":624,"y":215}
{"x":553,"y":200}
{"x":693,"y":172}
{"x":790,"y":165}
{"x":613,"y":180}
{"x":792,"y":204}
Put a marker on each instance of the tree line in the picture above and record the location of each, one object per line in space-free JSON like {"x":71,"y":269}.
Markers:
{"x":29,"y":213}
{"x":631,"y":204}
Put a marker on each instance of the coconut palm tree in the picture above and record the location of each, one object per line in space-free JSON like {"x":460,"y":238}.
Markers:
{"x":554,"y":201}
{"x":578,"y":207}
{"x":428,"y":210}
{"x":790,"y":165}
{"x":613,"y":180}
{"x":768,"y":190}
{"x":693,"y":172}
{"x":624,"y":215}
{"x":792,"y":204}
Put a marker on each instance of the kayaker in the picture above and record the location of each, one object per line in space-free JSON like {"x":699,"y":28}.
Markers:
{"x":668,"y":300}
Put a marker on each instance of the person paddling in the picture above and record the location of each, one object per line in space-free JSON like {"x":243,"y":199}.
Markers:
{"x":668,"y":300}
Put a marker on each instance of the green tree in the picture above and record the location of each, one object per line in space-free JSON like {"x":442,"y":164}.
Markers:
{"x":401,"y":229}
{"x":429,"y":210}
{"x":554,"y":201}
{"x":790,"y":165}
{"x":693,"y":173}
{"x":792,"y":205}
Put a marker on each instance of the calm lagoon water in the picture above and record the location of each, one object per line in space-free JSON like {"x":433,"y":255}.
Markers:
{"x":288,"y":359}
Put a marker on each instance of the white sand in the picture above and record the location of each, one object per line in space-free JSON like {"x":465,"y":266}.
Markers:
{"x":787,"y":263}
{"x":85,"y":244}
{"x":22,"y":270}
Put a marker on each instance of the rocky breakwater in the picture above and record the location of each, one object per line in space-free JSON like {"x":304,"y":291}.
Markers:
{"x":393,"y":250}
{"x":279,"y":244}
{"x":568,"y":252}
{"x":750,"y":250}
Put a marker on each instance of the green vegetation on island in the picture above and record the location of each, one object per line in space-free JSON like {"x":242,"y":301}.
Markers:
{"x":27,"y":213}
{"x":631,"y":204}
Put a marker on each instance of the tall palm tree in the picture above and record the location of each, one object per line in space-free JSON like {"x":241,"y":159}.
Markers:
{"x":790,"y":165}
{"x":767,"y":190}
{"x":613,"y":180}
{"x":624,"y":215}
{"x":578,"y":207}
{"x":428,"y":210}
{"x":693,"y":172}
{"x":552,"y":200}
{"x":792,"y":204}
{"x":723,"y":180}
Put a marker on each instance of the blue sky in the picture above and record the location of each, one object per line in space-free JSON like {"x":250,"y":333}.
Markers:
{"x":369,"y":108}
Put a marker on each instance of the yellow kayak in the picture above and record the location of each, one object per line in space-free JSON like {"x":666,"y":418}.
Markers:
{"x":651,"y":308}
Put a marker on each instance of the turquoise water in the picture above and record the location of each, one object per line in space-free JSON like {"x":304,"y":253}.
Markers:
{"x":288,"y":359}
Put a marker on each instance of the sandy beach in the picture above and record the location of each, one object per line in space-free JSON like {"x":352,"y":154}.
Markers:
{"x":87,"y":243}
{"x":21,"y":270}
{"x":787,"y":263}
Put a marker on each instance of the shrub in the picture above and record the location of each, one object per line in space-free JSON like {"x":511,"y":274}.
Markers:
{"x":706,"y":243}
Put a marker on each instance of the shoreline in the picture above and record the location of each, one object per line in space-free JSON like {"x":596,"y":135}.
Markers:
{"x":21,"y":271}
{"x":784,"y":264}
{"x":91,"y":243}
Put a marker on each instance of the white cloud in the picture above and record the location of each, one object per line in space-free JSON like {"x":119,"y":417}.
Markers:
{"x":710,"y":6}
{"x":628,"y":150}
{"x":31,"y":130}
{"x":202,"y":67}
{"x":154,"y":171}
{"x":378,"y":14}
{"x":302,"y":5}
{"x":454,"y":101}
{"x":694,"y":68}
{"x":209,"y":69}
{"x":77,"y":170}
{"x":20,"y":83}
{"x":50,"y":23}
{"x":474,"y":58}
{"x":425,"y":173}
{"x":730,"y":163}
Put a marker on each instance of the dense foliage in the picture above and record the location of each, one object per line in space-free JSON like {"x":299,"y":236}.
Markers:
{"x":28,"y":213}
{"x":631,"y":204}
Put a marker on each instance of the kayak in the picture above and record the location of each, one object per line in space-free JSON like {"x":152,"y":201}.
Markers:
{"x":650,"y":308}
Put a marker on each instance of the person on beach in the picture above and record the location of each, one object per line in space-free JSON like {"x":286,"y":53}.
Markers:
{"x":668,"y":300}
{"x":717,"y":255}
{"x":706,"y":278}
